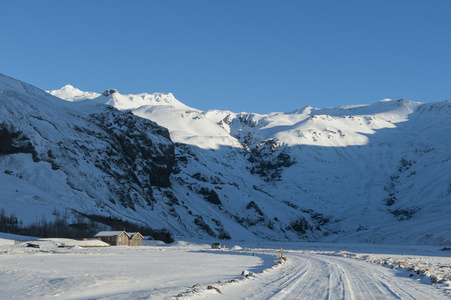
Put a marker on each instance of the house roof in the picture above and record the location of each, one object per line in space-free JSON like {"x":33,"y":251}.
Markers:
{"x":110,"y":233}
{"x":132,"y":234}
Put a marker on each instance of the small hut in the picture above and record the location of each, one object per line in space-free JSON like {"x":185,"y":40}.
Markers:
{"x":114,"y":238}
{"x":136,"y":239}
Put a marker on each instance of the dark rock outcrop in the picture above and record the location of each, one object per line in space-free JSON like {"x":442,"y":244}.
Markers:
{"x":301,"y":226}
{"x":139,"y":147}
{"x":12,"y":142}
{"x":211,"y":196}
{"x":269,"y":159}
{"x":106,"y":93}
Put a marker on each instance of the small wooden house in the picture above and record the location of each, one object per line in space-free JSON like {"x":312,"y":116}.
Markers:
{"x":114,"y":238}
{"x":136,"y":239}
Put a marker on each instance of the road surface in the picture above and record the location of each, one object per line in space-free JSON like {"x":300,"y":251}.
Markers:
{"x":315,"y":276}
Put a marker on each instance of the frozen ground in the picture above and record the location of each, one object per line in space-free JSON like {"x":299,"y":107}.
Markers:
{"x":194,"y":271}
{"x":148,"y":272}
{"x":332,"y":271}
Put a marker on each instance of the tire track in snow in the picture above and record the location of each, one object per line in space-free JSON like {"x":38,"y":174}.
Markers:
{"x":324,"y":278}
{"x":315,"y":276}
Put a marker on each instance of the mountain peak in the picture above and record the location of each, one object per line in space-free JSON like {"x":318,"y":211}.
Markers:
{"x":116,"y":99}
{"x":131,"y":101}
{"x":68,"y":87}
{"x":304,"y":110}
{"x":71,"y":93}
{"x":106,"y":93}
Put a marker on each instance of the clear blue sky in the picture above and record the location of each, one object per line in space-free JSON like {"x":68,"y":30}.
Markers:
{"x":246,"y":55}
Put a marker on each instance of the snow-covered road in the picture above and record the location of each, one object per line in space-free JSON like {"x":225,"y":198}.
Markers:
{"x":195,"y":271}
{"x":307,"y":275}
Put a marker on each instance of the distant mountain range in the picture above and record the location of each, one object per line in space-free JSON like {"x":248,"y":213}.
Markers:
{"x":376,"y":173}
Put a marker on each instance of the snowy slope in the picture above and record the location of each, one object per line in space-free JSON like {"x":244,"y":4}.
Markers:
{"x":360,"y":173}
{"x":76,"y":156}
{"x":71,"y":93}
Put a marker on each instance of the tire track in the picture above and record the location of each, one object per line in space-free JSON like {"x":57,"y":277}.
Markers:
{"x":314,"y":276}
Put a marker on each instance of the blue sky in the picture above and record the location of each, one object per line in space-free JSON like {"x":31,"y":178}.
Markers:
{"x":248,"y":55}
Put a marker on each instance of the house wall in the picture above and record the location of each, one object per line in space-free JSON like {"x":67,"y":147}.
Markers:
{"x":122,"y":240}
{"x":135,"y":241}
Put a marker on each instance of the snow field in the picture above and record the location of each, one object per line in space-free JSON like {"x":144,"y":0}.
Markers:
{"x":246,"y":270}
{"x":147,"y":272}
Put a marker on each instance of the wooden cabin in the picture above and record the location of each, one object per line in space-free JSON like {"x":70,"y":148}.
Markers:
{"x":136,"y":239}
{"x":120,"y":238}
{"x":114,"y":238}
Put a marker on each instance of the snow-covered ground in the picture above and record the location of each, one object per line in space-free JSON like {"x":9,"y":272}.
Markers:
{"x":193,"y":270}
{"x":348,"y":271}
{"x":154,"y":272}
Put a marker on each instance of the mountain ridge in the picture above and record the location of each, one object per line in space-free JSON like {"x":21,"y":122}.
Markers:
{"x":357,"y":173}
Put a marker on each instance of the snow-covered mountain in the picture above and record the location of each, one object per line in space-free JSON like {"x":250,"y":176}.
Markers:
{"x":374,"y":173}
{"x":70,"y":93}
